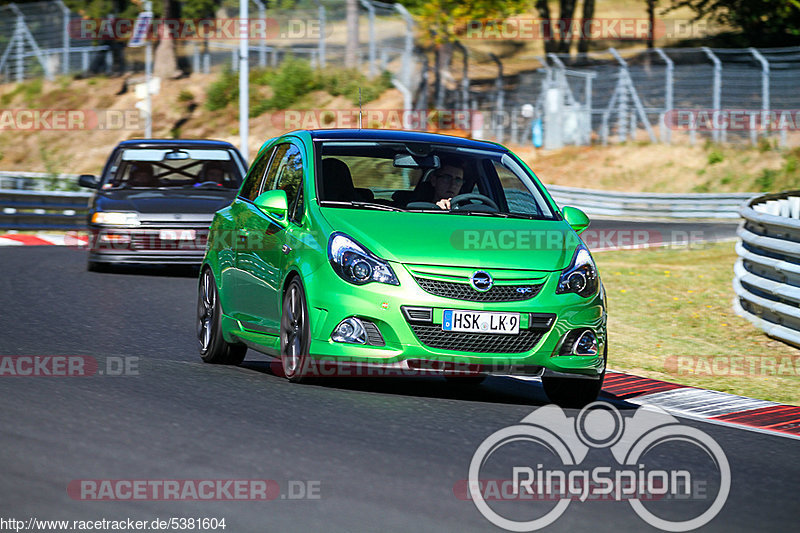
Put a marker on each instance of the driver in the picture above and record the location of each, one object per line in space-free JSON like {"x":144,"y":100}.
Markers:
{"x":214,"y":172}
{"x":446,"y":181}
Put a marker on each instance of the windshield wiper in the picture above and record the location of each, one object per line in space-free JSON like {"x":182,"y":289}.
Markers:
{"x":357,"y":203}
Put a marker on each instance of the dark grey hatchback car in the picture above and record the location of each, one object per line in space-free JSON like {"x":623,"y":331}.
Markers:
{"x":156,"y":198}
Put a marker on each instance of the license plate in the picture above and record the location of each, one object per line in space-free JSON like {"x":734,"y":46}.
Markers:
{"x":177,"y":234}
{"x":480,"y":321}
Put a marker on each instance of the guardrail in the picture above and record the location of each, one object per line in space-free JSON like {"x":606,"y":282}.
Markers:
{"x":39,"y":210}
{"x":593,"y":202}
{"x":767,"y":274}
{"x":651,"y":205}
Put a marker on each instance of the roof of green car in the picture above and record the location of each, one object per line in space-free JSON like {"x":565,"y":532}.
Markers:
{"x":401,"y":136}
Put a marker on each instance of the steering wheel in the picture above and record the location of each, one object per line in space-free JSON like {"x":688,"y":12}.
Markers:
{"x":215,"y":183}
{"x":457,"y":201}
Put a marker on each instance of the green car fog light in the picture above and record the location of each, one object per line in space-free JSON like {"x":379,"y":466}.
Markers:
{"x":351,"y":331}
{"x":586,"y":345}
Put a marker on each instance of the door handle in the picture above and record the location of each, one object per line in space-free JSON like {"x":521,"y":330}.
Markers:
{"x":286,"y":249}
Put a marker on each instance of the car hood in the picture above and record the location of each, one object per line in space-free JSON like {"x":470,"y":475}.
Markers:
{"x":458,"y":240}
{"x":159,"y":201}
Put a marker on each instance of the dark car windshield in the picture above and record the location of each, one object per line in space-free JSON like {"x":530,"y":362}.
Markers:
{"x":174,"y":168}
{"x":414,"y":177}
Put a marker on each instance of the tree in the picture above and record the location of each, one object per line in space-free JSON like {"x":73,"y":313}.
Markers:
{"x":351,"y":47}
{"x":764,"y":22}
{"x":588,"y":15}
{"x":165,"y":64}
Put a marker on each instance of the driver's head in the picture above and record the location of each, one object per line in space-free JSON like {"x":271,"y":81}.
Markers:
{"x":447,"y":179}
{"x":214,"y":172}
{"x":141,"y":175}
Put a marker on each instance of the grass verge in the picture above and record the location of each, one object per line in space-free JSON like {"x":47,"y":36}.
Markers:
{"x":670,"y":318}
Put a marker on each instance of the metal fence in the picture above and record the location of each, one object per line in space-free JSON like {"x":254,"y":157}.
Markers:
{"x":36,"y":40}
{"x":767,"y":273}
{"x":615,"y":96}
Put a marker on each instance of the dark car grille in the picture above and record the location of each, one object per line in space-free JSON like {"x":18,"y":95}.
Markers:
{"x":434,"y":337}
{"x":464,"y":291}
{"x":151,"y":240}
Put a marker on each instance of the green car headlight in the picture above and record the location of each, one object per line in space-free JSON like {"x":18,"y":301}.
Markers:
{"x":580,"y":276}
{"x":355,"y":264}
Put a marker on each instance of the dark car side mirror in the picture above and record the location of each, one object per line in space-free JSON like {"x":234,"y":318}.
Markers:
{"x":88,"y":181}
{"x":576,"y":218}
{"x":274,"y":203}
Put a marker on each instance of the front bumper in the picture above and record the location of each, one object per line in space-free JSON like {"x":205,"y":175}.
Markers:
{"x":184,"y":245}
{"x":422,"y":345}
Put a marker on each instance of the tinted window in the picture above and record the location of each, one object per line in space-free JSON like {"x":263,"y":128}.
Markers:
{"x":252,"y":182}
{"x":289,"y":174}
{"x":269,"y":180}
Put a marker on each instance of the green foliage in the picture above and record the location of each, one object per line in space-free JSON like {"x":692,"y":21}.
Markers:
{"x":715,"y":157}
{"x":28,"y":89}
{"x":223,"y":91}
{"x":293,"y":79}
{"x":185,"y":96}
{"x":763,"y":22}
{"x":443,"y":21}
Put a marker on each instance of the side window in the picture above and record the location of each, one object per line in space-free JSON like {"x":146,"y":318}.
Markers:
{"x":299,"y":207}
{"x":289,"y":178}
{"x":277,"y":162}
{"x":252,"y":181}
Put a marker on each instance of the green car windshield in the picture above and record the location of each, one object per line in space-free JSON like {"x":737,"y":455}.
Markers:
{"x":415,"y":177}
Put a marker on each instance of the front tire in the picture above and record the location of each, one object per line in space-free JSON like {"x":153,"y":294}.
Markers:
{"x":295,"y":336}
{"x":213,"y":347}
{"x":574,"y":392}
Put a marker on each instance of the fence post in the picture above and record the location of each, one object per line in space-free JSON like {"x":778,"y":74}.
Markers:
{"x":262,"y":49}
{"x":628,"y":81}
{"x":666,"y":132}
{"x":64,"y":38}
{"x":321,"y":45}
{"x":195,"y":58}
{"x":20,"y":44}
{"x":464,"y":75}
{"x":372,"y":56}
{"x":764,"y":92}
{"x":408,"y":47}
{"x":715,"y":97}
{"x":499,"y":118}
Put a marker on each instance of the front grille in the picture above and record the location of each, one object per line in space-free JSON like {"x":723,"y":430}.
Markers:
{"x":464,"y":291}
{"x":151,"y":240}
{"x":434,"y":337}
{"x":374,"y":337}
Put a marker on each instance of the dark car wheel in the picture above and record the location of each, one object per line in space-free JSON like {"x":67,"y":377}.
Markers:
{"x":465,"y":381}
{"x":574,"y":392}
{"x":94,"y":266}
{"x":295,"y":337}
{"x":213,"y":348}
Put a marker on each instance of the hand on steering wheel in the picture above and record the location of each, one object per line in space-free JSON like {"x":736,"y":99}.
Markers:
{"x":465,"y":199}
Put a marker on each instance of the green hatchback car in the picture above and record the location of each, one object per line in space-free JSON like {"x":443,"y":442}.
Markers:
{"x":378,"y":252}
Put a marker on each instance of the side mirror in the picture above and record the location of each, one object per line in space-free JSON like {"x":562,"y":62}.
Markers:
{"x":576,"y":218}
{"x":273,"y":203}
{"x":88,"y":181}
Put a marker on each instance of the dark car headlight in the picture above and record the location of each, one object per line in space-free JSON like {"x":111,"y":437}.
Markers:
{"x":355,"y":264}
{"x":580,"y":276}
{"x":116,"y":218}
